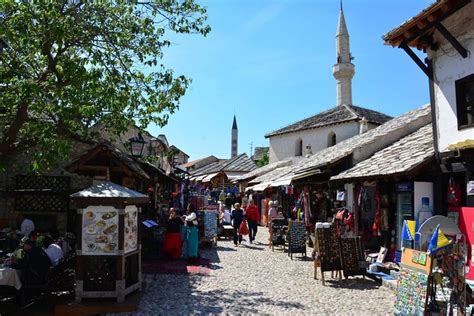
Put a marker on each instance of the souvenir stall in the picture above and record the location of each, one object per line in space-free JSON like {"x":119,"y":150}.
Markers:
{"x":432,"y":276}
{"x":337,"y":253}
{"x":109,"y":234}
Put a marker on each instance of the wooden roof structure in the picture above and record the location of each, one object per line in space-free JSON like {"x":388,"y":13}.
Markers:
{"x":417,"y":32}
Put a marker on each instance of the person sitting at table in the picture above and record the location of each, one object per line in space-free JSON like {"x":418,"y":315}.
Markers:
{"x":54,"y":252}
{"x":34,"y":264}
{"x":26,"y":225}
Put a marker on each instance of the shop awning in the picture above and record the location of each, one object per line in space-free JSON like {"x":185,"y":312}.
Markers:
{"x":306,"y":174}
{"x":209,"y":177}
{"x":280,"y":182}
{"x":259,"y":187}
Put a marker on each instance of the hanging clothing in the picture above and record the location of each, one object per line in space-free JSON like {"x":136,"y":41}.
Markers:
{"x":265,"y":208}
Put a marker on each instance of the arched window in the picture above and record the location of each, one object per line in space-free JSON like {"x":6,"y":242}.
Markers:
{"x":299,"y":148}
{"x":332,"y":139}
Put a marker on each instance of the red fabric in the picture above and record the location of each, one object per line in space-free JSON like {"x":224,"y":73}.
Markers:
{"x":244,"y":229}
{"x":252,"y":213}
{"x":172,"y":245}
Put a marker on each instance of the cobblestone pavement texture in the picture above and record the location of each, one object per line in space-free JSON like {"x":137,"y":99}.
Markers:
{"x":253,"y":279}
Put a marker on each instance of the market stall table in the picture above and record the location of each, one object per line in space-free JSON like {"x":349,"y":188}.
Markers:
{"x":9,"y":277}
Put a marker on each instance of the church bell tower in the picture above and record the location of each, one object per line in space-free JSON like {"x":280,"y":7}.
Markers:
{"x":343,"y":70}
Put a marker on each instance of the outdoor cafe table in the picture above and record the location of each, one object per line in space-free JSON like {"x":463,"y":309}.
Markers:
{"x":9,"y":277}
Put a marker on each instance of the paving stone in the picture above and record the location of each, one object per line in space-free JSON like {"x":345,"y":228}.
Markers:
{"x":253,"y":279}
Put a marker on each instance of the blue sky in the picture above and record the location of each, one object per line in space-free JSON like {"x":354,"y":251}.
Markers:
{"x":269,"y":62}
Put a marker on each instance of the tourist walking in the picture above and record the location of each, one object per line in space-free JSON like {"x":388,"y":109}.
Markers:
{"x":272,"y":213}
{"x":192,"y":240}
{"x":253,"y":217}
{"x":172,"y":245}
{"x":237,"y":217}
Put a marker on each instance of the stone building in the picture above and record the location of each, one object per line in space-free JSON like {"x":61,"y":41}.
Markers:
{"x":445,"y":32}
{"x":325,"y":129}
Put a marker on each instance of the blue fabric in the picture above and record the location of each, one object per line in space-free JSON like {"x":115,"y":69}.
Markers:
{"x":192,"y":241}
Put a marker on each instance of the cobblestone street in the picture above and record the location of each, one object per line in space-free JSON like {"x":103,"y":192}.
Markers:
{"x":253,"y":279}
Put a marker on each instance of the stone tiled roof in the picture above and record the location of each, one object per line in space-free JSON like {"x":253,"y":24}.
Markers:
{"x":272,"y":175}
{"x":265,"y":169}
{"x":240,"y":163}
{"x":401,"y":157}
{"x":361,"y":142}
{"x":335,"y":115}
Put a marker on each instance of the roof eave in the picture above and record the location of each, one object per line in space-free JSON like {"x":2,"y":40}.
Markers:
{"x":414,"y":31}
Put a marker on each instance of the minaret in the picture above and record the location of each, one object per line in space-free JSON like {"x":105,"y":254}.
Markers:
{"x":343,"y":71}
{"x":235,"y":136}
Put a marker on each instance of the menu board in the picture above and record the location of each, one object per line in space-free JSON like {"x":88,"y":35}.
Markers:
{"x":100,"y":230}
{"x":411,"y":292}
{"x":328,"y":247}
{"x":130,"y":240}
{"x":352,"y":257}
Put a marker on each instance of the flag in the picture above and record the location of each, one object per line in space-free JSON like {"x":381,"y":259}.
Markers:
{"x":408,"y":230}
{"x":438,"y":240}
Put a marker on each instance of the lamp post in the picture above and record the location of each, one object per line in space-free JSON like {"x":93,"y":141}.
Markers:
{"x":137,"y":144}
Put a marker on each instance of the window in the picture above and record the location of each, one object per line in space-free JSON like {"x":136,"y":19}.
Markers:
{"x":299,"y":148}
{"x":332,"y":139}
{"x":465,"y":101}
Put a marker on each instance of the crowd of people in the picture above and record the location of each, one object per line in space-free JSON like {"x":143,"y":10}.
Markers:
{"x":248,"y":215}
{"x":35,"y":252}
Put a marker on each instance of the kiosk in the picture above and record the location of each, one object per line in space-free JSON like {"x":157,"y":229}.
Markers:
{"x":108,"y":249}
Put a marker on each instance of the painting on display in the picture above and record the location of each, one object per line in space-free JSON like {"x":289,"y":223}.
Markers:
{"x":100,"y":230}
{"x":130,"y":242}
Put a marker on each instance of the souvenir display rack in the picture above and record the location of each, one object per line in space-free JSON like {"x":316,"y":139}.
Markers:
{"x":352,"y":257}
{"x":296,"y":238}
{"x":327,"y":251}
{"x":432,"y":284}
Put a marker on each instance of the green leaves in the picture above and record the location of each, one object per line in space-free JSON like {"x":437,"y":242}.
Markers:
{"x":74,"y":64}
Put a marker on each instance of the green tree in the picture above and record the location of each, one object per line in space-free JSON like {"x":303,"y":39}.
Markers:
{"x":66,"y":65}
{"x":264,"y":160}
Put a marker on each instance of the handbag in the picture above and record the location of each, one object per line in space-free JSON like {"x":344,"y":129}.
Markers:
{"x":454,"y":193}
{"x":244,"y":229}
{"x":340,"y":215}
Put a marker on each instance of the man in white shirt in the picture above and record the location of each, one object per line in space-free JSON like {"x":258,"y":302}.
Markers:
{"x":26,"y":226}
{"x":54,"y":252}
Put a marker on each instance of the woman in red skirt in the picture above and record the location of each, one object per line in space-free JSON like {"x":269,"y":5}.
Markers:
{"x":172,"y":246}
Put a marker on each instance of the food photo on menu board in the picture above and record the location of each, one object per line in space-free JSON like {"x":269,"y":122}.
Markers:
{"x":100,"y":231}
{"x":130,"y":227}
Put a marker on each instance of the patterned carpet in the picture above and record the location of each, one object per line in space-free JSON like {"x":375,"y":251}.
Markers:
{"x":199,"y":266}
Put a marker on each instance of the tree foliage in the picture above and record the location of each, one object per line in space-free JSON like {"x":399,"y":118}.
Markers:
{"x":264,"y":160}
{"x":66,"y":65}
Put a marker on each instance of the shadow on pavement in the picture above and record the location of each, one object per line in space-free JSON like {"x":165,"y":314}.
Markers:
{"x":353,"y":284}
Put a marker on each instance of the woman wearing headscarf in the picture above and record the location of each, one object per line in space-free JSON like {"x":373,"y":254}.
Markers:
{"x":191,"y":232}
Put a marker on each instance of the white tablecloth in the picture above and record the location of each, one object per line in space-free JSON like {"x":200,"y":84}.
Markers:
{"x":10,"y":277}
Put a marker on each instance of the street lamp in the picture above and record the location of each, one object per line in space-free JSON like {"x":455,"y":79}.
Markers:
{"x":137,"y":144}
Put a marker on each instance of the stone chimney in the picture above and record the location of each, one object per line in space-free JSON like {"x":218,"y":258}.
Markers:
{"x":363,"y":125}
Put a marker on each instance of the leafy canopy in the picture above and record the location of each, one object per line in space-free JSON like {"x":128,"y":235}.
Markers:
{"x":66,"y":65}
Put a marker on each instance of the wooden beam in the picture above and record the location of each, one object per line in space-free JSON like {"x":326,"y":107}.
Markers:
{"x":451,"y":39}
{"x":417,"y":60}
{"x":422,"y":24}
